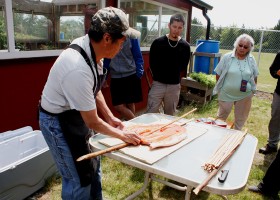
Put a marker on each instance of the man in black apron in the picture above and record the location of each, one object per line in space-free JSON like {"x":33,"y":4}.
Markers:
{"x":72,"y":97}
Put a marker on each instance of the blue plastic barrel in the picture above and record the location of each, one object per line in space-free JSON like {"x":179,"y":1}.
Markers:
{"x":202,"y":63}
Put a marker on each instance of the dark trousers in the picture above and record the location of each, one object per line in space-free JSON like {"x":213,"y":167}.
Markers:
{"x":271,"y":181}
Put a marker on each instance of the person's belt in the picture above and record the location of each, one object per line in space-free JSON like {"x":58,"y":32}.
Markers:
{"x":47,"y":112}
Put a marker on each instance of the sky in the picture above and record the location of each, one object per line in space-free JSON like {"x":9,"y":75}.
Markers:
{"x":250,"y":13}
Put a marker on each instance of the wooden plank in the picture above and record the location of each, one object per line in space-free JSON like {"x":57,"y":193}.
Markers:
{"x":191,"y":90}
{"x":210,"y":55}
{"x":193,"y":84}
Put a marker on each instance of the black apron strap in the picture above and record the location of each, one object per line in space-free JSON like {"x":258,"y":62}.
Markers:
{"x":76,"y":132}
{"x":84,"y":54}
{"x":100,"y":79}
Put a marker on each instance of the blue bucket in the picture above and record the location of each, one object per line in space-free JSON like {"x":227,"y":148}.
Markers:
{"x":202,"y":63}
{"x":61,"y":36}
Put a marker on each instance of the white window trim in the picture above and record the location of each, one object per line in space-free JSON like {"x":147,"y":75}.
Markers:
{"x":10,"y":25}
{"x":12,"y":52}
{"x":29,"y":54}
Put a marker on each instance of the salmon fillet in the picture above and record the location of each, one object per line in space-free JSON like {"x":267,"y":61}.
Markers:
{"x":172,"y":140}
{"x":165,"y":137}
{"x":143,"y":129}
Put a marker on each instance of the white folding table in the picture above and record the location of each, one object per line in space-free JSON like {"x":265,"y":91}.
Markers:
{"x":185,"y":164}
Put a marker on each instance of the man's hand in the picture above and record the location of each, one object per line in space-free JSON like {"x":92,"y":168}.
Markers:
{"x":132,"y":138}
{"x":116,"y":122}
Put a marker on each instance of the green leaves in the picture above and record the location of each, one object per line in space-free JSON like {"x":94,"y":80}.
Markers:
{"x":207,"y":80}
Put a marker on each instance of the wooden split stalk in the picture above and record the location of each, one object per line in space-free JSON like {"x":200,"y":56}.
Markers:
{"x":229,"y":142}
{"x":225,"y":150}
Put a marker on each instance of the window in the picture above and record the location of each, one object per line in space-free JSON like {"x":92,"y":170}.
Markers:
{"x":45,"y":25}
{"x":29,"y":27}
{"x":32,"y":32}
{"x":33,"y":25}
{"x":71,"y":27}
{"x":3,"y":32}
{"x":151,"y":19}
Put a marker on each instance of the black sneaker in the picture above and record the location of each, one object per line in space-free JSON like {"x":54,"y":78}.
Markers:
{"x":267,"y":149}
{"x":257,"y":189}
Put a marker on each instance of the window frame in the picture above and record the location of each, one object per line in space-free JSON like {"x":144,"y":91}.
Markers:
{"x":161,"y":6}
{"x":13,"y":53}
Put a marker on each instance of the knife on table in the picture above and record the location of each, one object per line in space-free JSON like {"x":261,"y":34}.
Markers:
{"x":224,"y":173}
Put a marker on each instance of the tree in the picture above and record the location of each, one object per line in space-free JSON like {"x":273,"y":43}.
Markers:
{"x":197,"y":32}
{"x":277,"y":27}
{"x":273,"y":39}
{"x":228,"y":37}
{"x":215,"y":33}
{"x":196,"y":21}
{"x":72,"y":29}
{"x":3,"y":35}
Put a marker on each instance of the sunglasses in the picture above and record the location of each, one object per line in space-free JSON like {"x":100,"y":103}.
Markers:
{"x":245,"y":47}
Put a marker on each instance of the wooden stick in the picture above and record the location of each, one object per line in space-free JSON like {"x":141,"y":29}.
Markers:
{"x":206,"y":181}
{"x":177,"y":119}
{"x":215,"y":171}
{"x":228,"y":143}
{"x":117,"y":147}
{"x":94,"y":154}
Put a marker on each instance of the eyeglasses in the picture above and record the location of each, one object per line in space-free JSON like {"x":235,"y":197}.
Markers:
{"x":245,"y":47}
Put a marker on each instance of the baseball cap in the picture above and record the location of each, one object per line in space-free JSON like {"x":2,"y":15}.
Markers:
{"x":114,"y":20}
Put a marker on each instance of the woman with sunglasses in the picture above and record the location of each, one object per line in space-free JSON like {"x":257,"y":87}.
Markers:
{"x":236,"y":76}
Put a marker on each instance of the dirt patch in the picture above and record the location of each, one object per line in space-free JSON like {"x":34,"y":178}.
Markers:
{"x":40,"y":195}
{"x":263,"y":161}
{"x":264,"y":95}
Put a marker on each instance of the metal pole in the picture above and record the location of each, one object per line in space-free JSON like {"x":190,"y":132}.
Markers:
{"x":159,"y":20}
{"x":204,"y":11}
{"x":260,"y":50}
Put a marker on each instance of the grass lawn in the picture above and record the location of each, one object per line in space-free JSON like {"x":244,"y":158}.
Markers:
{"x":118,"y":176}
{"x":265,"y":81}
{"x":120,"y":180}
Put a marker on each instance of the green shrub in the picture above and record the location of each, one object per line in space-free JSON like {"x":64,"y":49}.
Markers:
{"x":207,"y":80}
